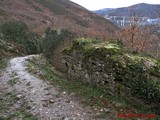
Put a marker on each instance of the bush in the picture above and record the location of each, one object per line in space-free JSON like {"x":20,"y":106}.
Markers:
{"x":32,"y":43}
{"x":17,"y":32}
{"x":53,"y":39}
{"x":14,"y":30}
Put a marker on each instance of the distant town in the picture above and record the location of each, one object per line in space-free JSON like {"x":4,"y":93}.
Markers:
{"x":122,"y":21}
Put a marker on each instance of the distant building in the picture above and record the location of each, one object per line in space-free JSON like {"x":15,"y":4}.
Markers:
{"x":123,"y":21}
{"x":153,"y":21}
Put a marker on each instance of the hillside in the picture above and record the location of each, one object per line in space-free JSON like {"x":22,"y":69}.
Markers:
{"x":57,"y":14}
{"x":142,"y":10}
{"x":103,"y":11}
{"x":59,"y":75}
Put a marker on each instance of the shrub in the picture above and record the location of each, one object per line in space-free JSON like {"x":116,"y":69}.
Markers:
{"x":17,"y":32}
{"x":14,"y":30}
{"x":32,"y":43}
{"x":53,"y":39}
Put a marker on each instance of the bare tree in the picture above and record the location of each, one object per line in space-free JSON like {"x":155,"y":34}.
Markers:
{"x":136,"y":35}
{"x":130,"y":32}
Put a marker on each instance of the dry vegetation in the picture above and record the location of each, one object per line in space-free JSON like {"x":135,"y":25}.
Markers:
{"x":57,"y":14}
{"x":140,"y":37}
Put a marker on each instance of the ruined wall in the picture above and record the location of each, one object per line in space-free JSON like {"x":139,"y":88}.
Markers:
{"x":114,"y":68}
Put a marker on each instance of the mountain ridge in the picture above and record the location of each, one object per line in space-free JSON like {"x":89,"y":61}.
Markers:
{"x":103,"y":11}
{"x":141,"y":9}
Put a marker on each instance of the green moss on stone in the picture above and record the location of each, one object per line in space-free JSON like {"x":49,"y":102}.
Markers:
{"x":67,"y":50}
{"x":131,"y":69}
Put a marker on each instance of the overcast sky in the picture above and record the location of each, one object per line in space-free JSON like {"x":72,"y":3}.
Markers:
{"x":100,"y":4}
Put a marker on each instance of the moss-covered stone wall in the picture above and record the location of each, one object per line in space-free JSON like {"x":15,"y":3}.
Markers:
{"x":117,"y":70}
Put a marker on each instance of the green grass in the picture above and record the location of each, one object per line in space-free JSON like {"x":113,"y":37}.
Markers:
{"x":13,"y":81}
{"x":2,"y":104}
{"x":2,"y":64}
{"x":92,"y":96}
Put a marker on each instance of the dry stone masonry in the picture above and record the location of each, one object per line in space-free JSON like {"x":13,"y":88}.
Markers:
{"x":116,"y":69}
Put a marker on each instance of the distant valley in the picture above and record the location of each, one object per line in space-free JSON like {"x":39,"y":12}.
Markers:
{"x":121,"y":16}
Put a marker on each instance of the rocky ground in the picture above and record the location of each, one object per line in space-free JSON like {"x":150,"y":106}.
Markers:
{"x":37,"y":96}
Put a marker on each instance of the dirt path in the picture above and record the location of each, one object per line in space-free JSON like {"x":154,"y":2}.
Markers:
{"x":43,"y":100}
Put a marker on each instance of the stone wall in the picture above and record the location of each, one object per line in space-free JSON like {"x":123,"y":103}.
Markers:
{"x":115,"y":69}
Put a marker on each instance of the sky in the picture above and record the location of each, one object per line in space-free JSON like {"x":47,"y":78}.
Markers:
{"x":100,"y":4}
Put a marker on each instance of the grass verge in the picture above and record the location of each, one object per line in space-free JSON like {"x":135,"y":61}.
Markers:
{"x":3,"y":64}
{"x":89,"y":95}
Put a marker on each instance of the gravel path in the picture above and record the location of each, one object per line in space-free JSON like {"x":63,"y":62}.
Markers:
{"x":44,"y":100}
